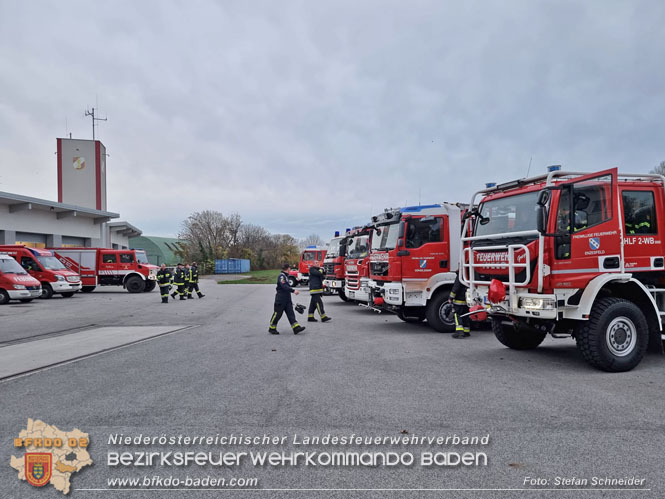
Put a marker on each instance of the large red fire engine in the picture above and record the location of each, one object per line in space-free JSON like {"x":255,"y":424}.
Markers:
{"x":41,"y":264}
{"x":333,"y":265}
{"x":356,"y":263}
{"x":413,"y":262}
{"x":309,"y":256}
{"x":110,"y":267}
{"x":572,"y":254}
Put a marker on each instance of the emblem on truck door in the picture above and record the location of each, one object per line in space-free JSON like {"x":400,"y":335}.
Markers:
{"x":423,"y":264}
{"x":594,"y":243}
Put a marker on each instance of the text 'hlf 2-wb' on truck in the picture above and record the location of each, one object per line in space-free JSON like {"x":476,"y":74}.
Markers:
{"x":571,"y":254}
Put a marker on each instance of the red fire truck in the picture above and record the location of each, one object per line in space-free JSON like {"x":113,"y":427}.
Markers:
{"x":571,"y":255}
{"x":309,"y":256}
{"x":110,"y":267}
{"x":15,"y":282}
{"x":356,"y":264}
{"x":333,"y":264}
{"x":413,"y":262}
{"x":42,"y":264}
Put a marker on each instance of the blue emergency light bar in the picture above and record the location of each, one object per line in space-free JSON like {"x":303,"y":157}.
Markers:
{"x":553,"y":168}
{"x":489,"y":185}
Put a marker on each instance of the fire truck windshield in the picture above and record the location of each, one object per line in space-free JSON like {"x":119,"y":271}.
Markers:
{"x":359,"y":247}
{"x":510,"y":214}
{"x":51,"y":263}
{"x":385,"y":237}
{"x":333,"y":249}
{"x":142,"y":258}
{"x":10,"y":266}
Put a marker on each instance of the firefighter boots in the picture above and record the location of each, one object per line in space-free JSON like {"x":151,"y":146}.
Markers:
{"x":298,"y":329}
{"x":326,"y":319}
{"x":273,"y":331}
{"x":311,"y":318}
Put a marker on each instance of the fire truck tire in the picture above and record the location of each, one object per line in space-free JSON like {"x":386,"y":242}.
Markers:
{"x":293,"y":282}
{"x":440,"y":314}
{"x":47,"y":291}
{"x":517,"y":336}
{"x":615,"y":337}
{"x":135,"y":284}
{"x":342,"y":295}
{"x":149,"y":286}
{"x":88,"y":289}
{"x":67,"y":295}
{"x":4,"y":297}
{"x":419,"y":317}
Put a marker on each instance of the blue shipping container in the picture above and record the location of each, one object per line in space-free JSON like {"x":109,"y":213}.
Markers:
{"x":232,"y":266}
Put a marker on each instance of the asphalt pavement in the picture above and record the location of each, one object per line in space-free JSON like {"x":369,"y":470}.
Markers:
{"x":547,"y":413}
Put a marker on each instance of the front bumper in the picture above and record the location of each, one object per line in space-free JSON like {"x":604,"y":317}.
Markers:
{"x":522,"y":304}
{"x":391,"y":292}
{"x":22,"y":294}
{"x":333,"y":283}
{"x":65,"y":287}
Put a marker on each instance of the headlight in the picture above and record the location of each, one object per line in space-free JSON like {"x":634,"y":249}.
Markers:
{"x":393,"y":291}
{"x":60,"y":278}
{"x":537,"y":303}
{"x":19,"y":286}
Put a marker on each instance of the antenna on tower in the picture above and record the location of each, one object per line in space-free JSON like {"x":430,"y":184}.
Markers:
{"x":92,"y":114}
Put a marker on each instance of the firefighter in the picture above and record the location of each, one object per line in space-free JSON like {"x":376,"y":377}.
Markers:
{"x":194,"y":281}
{"x":283,"y":303}
{"x":179,"y":282}
{"x":458,"y":298}
{"x":164,"y":280}
{"x":186,"y":279}
{"x":316,"y":276}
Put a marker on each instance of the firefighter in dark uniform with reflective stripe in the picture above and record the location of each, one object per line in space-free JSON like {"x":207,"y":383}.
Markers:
{"x":164,"y":280}
{"x":179,"y":282}
{"x":283,"y":303}
{"x":458,"y":298}
{"x":193,"y":282}
{"x":316,"y":276}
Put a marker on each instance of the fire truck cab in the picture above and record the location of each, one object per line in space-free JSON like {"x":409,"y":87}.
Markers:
{"x":572,"y":255}
{"x":333,"y":265}
{"x":356,"y":283}
{"x":413,"y":262}
{"x":309,"y":256}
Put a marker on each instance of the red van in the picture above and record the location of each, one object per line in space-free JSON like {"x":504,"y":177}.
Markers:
{"x":15,"y":282}
{"x":42,"y":264}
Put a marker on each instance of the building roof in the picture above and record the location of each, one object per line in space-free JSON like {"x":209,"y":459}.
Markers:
{"x":124,"y":228}
{"x":17,"y":202}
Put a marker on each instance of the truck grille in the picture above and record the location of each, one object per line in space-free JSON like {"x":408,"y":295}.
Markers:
{"x":32,"y":288}
{"x":379,"y":268}
{"x":329,"y":268}
{"x":353,"y":284}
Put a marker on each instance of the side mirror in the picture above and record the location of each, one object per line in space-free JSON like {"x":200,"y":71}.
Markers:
{"x":400,"y":242}
{"x":541,"y":218}
{"x":543,"y":197}
{"x":484,"y":220}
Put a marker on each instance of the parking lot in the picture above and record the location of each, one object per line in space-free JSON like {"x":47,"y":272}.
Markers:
{"x":209,"y":367}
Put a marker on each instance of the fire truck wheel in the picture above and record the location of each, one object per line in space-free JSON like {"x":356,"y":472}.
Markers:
{"x":440,"y":314}
{"x":149,"y":286}
{"x":47,"y":291}
{"x":88,"y":289}
{"x":135,"y":284}
{"x":4,"y":297}
{"x":516,"y":336}
{"x":293,"y":282}
{"x":615,"y":337}
{"x":342,"y":295}
{"x":67,"y":295}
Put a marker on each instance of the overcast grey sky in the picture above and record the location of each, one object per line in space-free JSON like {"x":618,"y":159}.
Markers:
{"x":307,"y":116}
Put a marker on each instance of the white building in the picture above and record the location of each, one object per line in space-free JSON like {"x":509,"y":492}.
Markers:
{"x":79,"y":217}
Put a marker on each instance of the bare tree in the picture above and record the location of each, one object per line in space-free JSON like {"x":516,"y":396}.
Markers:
{"x":660,"y":169}
{"x":311,"y":240}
